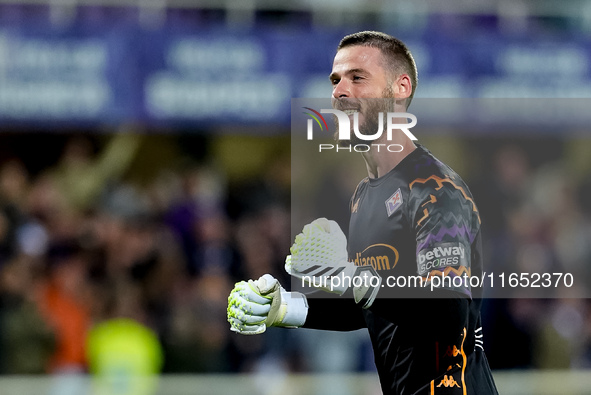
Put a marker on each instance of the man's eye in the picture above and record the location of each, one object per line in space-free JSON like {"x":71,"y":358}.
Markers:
{"x":356,"y":77}
{"x":334,"y":82}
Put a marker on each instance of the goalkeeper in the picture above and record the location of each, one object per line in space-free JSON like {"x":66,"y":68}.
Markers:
{"x":412,"y":216}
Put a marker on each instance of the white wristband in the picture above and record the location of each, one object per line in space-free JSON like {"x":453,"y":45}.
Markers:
{"x":297,"y":309}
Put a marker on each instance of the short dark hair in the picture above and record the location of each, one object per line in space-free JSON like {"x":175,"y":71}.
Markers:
{"x":396,"y":54}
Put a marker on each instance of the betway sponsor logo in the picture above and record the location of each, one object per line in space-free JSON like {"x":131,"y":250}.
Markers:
{"x":442,"y":256}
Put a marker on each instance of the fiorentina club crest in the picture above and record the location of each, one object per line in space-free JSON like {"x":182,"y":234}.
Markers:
{"x":394,"y":202}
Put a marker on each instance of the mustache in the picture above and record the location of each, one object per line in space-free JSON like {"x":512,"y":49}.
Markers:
{"x":365,"y":104}
{"x":346,"y":104}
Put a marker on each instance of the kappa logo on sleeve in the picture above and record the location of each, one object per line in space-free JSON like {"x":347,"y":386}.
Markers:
{"x":448,"y":381}
{"x":442,"y":256}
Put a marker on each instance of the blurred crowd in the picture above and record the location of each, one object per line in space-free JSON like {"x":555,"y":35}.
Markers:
{"x":81,"y":245}
{"x":89,"y":257}
{"x":534,"y":201}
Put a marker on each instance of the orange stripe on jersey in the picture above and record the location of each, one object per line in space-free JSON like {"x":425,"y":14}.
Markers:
{"x":365,"y":180}
{"x":459,"y":272}
{"x":432,"y":199}
{"x":465,"y":361}
{"x":354,"y":207}
{"x":424,"y":217}
{"x":440,"y":182}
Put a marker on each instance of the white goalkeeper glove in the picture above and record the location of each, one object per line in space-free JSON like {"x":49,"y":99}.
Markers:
{"x":319,"y":258}
{"x":255,"y":305}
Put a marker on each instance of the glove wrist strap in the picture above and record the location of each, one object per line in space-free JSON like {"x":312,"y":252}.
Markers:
{"x":297,"y":309}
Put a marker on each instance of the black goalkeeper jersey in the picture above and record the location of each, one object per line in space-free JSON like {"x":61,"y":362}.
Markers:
{"x":418,"y":221}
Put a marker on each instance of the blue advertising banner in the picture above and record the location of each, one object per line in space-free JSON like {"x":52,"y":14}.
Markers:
{"x":214,"y":78}
{"x":201,"y":78}
{"x":68,"y":76}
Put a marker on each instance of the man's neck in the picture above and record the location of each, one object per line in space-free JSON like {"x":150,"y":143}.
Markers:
{"x":380,"y":162}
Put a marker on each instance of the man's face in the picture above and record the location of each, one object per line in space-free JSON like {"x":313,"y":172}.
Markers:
{"x":358,"y":74}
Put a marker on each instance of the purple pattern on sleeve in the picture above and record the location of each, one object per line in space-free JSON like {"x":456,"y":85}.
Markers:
{"x":453,"y":231}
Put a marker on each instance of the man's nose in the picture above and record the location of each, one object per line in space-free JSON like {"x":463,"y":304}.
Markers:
{"x":342,"y":89}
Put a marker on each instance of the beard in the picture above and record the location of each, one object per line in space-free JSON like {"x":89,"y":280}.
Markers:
{"x":370,"y":108}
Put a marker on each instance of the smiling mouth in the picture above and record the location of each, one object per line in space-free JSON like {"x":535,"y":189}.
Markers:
{"x":349,"y":112}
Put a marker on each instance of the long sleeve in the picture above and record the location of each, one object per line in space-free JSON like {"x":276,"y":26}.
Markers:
{"x":331,"y":312}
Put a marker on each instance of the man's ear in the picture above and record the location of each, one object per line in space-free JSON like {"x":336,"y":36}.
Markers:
{"x":402,"y":87}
